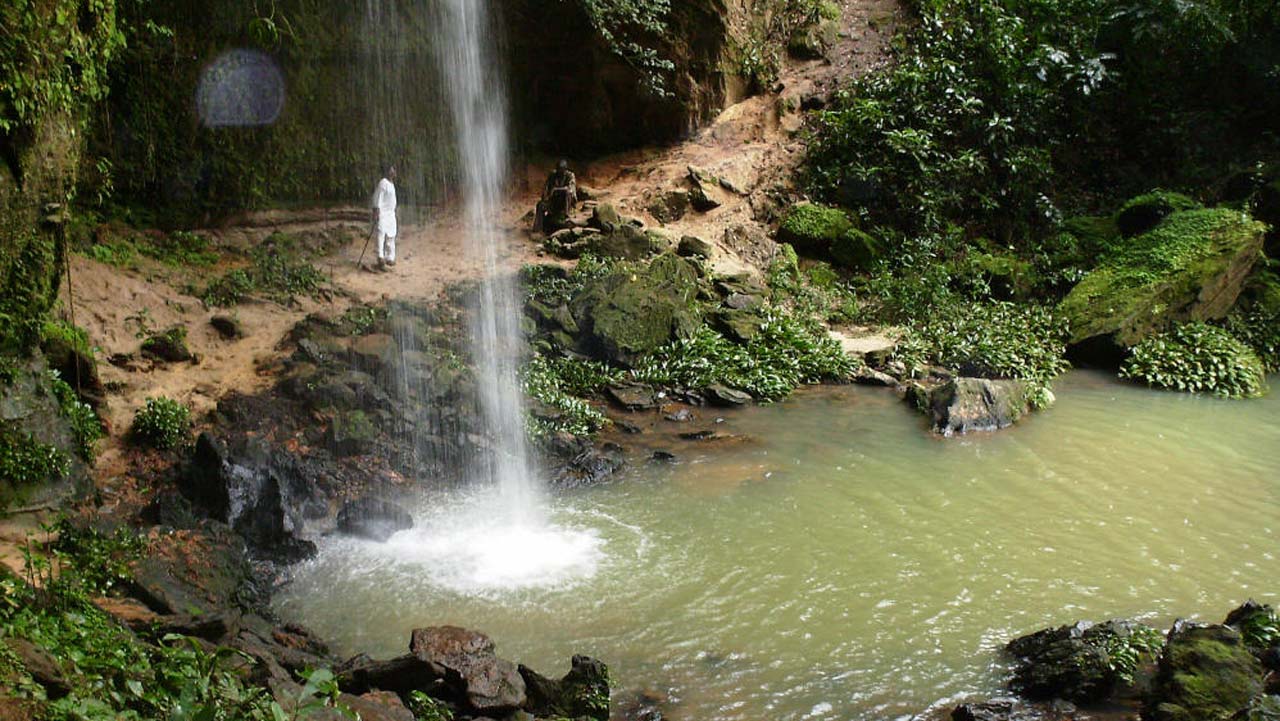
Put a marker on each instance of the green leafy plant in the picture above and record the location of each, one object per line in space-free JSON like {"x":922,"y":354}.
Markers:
{"x":162,"y":423}
{"x":1125,"y":653}
{"x":84,"y":421}
{"x":25,"y":461}
{"x":1197,"y":357}
{"x":97,"y":561}
{"x":556,"y":384}
{"x":630,"y":29}
{"x":278,"y":270}
{"x":425,"y":708}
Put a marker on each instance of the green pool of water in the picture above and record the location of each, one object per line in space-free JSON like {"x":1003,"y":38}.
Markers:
{"x":843,"y":563}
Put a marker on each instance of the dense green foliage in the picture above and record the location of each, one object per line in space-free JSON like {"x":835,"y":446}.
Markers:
{"x":111,"y":672}
{"x":996,"y":115}
{"x":1199,"y":358}
{"x":54,"y":57}
{"x":990,"y":340}
{"x":629,"y":28}
{"x":162,"y":423}
{"x":559,"y":385}
{"x":783,"y":355}
{"x":278,"y":270}
{"x":1126,"y":653}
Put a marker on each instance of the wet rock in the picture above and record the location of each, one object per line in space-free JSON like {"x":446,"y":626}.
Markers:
{"x":374,"y":519}
{"x":663,"y":456}
{"x":351,"y":433}
{"x":632,"y":397}
{"x":256,"y":490}
{"x":403,"y":675}
{"x":684,"y":415}
{"x":965,"y":405}
{"x":1012,"y":709}
{"x":197,"y":572}
{"x":722,"y":395}
{"x":42,"y":666}
{"x":486,"y":683}
{"x":581,"y":693}
{"x":584,"y":463}
{"x":229,"y":327}
{"x":372,"y":353}
{"x":1205,"y":672}
{"x":872,"y":377}
{"x":1072,"y":662}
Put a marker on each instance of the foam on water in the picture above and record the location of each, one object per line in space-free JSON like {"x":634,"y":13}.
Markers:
{"x":466,"y":549}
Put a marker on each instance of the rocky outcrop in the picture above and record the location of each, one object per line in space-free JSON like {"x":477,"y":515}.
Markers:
{"x":1074,"y":662}
{"x":1206,"y":672}
{"x":574,"y":94}
{"x":581,"y":693}
{"x":482,"y":682}
{"x":1190,"y":267}
{"x":965,"y":405}
{"x":627,"y":314}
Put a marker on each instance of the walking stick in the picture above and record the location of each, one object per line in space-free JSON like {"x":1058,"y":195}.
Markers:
{"x":374,"y":229}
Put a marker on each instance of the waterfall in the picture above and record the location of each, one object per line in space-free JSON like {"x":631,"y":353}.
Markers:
{"x":464,"y":40}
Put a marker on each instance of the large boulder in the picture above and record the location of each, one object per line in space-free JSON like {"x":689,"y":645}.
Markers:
{"x":485,"y":683}
{"x":813,"y":229}
{"x":1145,"y":212}
{"x":627,"y":314}
{"x":1206,"y":672}
{"x":1191,"y":267}
{"x":1075,"y":662}
{"x":373,"y":518}
{"x":963,"y":405}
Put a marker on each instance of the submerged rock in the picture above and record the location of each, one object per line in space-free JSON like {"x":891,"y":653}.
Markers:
{"x":374,"y":519}
{"x":1012,"y":709}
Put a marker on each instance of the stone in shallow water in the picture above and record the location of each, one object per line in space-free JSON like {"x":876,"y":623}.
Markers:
{"x":373,"y":518}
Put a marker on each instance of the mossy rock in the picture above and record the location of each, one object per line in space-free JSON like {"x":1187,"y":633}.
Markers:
{"x":1094,"y":234}
{"x":1145,"y":212}
{"x":169,"y":346}
{"x":1190,"y":267}
{"x":813,"y":228}
{"x":1006,"y":275}
{"x":630,"y":313}
{"x":1205,"y":673}
{"x":856,"y":250}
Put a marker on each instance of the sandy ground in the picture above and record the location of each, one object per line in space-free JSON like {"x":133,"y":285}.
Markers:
{"x":753,"y":144}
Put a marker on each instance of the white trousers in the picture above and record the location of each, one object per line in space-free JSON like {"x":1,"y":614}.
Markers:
{"x":386,"y":247}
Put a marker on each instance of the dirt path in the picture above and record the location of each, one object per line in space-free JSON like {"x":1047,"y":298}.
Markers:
{"x":752,"y":145}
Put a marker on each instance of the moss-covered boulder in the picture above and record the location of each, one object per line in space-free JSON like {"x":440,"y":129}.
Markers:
{"x":856,"y":250}
{"x":629,"y":313}
{"x":1190,"y":267}
{"x":812,"y":228}
{"x":1205,"y":673}
{"x":1145,"y":212}
{"x":1079,"y":662}
{"x":965,"y":405}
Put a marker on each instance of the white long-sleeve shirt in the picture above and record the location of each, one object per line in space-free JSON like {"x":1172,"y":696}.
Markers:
{"x":384,"y":199}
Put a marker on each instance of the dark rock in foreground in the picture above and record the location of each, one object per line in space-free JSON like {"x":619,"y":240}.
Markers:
{"x":1074,"y":662}
{"x":1206,"y":672}
{"x":483,"y":682}
{"x":964,"y":405}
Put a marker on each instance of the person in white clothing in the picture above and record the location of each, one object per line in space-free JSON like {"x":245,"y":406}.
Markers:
{"x":384,"y":218}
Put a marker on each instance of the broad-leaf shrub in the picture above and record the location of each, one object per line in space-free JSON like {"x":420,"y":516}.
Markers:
{"x":162,"y":423}
{"x":1197,"y":357}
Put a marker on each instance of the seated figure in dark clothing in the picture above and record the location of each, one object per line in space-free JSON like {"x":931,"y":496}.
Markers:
{"x":559,"y":198}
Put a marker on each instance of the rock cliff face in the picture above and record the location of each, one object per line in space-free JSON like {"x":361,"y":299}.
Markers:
{"x":573,"y":95}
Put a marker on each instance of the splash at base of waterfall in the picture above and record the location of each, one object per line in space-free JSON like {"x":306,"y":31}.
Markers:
{"x":461,"y":546}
